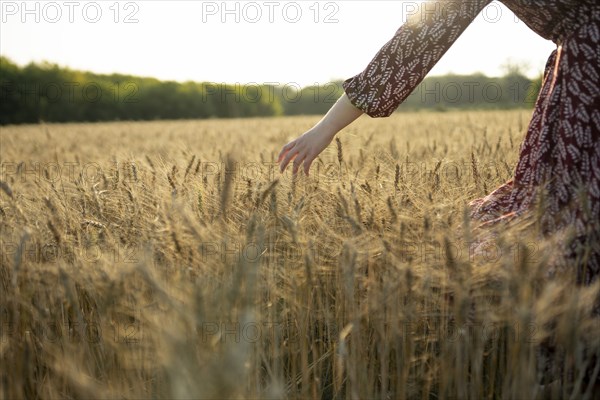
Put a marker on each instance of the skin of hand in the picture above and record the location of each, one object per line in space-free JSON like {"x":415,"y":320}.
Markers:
{"x":304,"y":149}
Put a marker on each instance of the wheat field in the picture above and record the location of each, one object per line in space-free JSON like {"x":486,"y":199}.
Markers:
{"x":171,"y":259}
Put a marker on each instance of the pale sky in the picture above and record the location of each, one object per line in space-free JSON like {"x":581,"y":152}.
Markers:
{"x":202,"y":41}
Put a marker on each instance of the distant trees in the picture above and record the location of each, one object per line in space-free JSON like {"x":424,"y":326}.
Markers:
{"x":47,"y":92}
{"x":474,"y":91}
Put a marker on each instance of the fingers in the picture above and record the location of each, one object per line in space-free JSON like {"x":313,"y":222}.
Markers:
{"x":298,"y":161}
{"x":298,"y":156}
{"x":296,"y":152}
{"x":288,"y":157}
{"x":307,"y":163}
{"x":285,"y":149}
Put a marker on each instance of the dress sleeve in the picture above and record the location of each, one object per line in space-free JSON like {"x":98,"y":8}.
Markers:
{"x":403,"y":62}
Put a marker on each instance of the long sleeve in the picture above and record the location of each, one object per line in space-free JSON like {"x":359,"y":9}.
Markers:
{"x":403,"y":62}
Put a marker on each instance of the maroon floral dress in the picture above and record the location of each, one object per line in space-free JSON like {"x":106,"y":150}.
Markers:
{"x":559,"y":161}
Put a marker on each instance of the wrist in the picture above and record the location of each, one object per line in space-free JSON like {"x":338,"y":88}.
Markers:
{"x":327,"y":129}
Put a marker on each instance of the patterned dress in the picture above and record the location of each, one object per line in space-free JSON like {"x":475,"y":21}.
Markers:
{"x":559,"y":160}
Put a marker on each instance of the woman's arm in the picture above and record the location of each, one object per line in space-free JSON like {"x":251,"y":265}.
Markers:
{"x":307,"y":147}
{"x":403,"y":62}
{"x":395,"y":71}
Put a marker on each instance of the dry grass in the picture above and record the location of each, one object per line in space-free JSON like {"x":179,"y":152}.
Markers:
{"x":171,"y":260}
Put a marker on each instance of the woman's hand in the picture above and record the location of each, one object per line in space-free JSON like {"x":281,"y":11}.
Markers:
{"x":304,"y":149}
{"x":307,"y":147}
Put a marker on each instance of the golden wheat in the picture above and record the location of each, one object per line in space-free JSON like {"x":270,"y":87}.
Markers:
{"x":364,"y":280}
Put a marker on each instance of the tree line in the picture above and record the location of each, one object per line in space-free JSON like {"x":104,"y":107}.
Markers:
{"x":47,"y":92}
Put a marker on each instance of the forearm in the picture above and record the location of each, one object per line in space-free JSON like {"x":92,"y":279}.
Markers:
{"x":402,"y":63}
{"x":304,"y":149}
{"x":340,"y":115}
